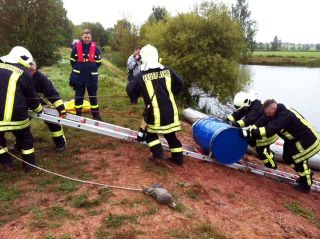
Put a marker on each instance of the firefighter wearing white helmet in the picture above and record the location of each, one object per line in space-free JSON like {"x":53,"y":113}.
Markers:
{"x":248,"y":111}
{"x":158,"y":84}
{"x":16,"y":96}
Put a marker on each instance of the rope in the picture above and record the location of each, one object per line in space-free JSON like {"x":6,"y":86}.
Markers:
{"x":75,"y":179}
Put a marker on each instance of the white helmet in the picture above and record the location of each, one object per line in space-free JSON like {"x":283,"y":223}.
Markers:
{"x":149,"y":58}
{"x":242,"y":99}
{"x":19,"y":55}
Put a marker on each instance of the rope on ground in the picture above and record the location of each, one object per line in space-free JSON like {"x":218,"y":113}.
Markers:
{"x":75,"y":179}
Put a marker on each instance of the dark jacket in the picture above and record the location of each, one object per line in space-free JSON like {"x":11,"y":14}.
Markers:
{"x":17,"y":94}
{"x":44,"y":86}
{"x":160,"y":86}
{"x":248,"y":115}
{"x":289,"y":125}
{"x":84,"y":73}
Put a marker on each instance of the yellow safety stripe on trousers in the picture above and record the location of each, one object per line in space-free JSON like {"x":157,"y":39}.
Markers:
{"x":292,"y":165}
{"x":241,"y":123}
{"x":94,"y":106}
{"x":75,"y":71}
{"x":153,"y":143}
{"x":168,"y":131}
{"x":28,"y":151}
{"x":231,"y":118}
{"x":38,"y":109}
{"x":269,"y":157}
{"x":72,"y":59}
{"x":176,"y":150}
{"x":78,"y":106}
{"x":57,"y":133}
{"x":98,"y":60}
{"x":11,"y":92}
{"x":174,"y":106}
{"x":14,"y":127}
{"x":307,"y":171}
{"x":94,"y":73}
{"x":266,"y":141}
{"x":3,"y":150}
{"x":154,"y":102}
{"x":58,"y":103}
{"x":308,"y":153}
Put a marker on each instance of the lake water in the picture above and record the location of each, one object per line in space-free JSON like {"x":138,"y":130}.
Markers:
{"x":296,"y":87}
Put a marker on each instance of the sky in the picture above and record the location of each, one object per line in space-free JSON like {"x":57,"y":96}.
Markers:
{"x":295,"y":21}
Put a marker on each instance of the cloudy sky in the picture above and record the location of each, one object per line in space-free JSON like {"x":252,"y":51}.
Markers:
{"x":291,"y":20}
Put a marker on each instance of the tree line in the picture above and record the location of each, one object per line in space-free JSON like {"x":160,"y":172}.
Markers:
{"x":204,"y":45}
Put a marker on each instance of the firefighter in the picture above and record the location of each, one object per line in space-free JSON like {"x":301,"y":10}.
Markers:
{"x":301,"y":141}
{"x":16,"y":95}
{"x":158,"y":84}
{"x":44,"y":86}
{"x":248,"y":111}
{"x":85,"y":60}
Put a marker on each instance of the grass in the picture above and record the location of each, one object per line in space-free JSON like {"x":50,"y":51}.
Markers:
{"x":307,"y":213}
{"x":297,"y":54}
{"x":199,"y":231}
{"x":285,"y":58}
{"x":113,"y":220}
{"x":7,"y":193}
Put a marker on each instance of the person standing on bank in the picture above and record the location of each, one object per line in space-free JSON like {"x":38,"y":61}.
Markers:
{"x":16,"y":96}
{"x":133,"y":66}
{"x":301,"y":141}
{"x":85,"y":60}
{"x":158,"y":84}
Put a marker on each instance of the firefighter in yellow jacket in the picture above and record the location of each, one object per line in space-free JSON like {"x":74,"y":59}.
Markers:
{"x":301,"y":141}
{"x":16,"y":96}
{"x":158,"y":84}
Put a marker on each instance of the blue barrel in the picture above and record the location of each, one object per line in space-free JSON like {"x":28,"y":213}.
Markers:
{"x":225,"y":142}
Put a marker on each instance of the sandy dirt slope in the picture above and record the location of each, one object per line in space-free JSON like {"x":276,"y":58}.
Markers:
{"x":239,"y":204}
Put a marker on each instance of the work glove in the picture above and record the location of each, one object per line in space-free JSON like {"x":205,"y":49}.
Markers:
{"x":246,"y":133}
{"x":141,"y":137}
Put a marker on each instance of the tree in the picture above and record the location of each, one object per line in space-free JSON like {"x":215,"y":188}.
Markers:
{"x":158,"y":14}
{"x":275,"y":44}
{"x":37,"y":25}
{"x":124,"y":39}
{"x":241,"y":12}
{"x":204,"y":46}
{"x":318,"y":47}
